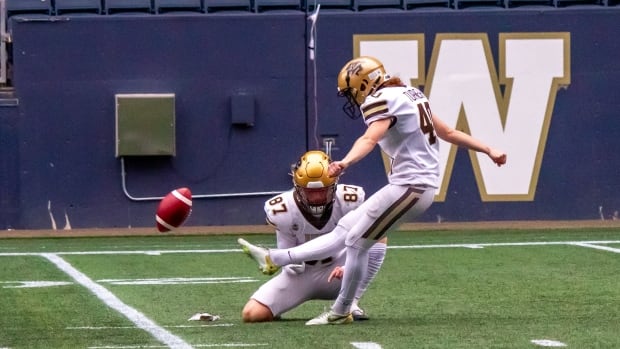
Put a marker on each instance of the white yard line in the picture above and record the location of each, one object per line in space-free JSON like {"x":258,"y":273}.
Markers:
{"x":467,"y":245}
{"x":113,"y":302}
{"x":96,"y":328}
{"x":151,"y":281}
{"x":220,"y":345}
{"x":366,"y":345}
{"x":181,"y":281}
{"x":591,"y":245}
{"x":547,"y":343}
{"x":502,"y":244}
{"x":146,"y":252}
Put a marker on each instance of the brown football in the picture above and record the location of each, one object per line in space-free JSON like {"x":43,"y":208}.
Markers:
{"x":173,"y":209}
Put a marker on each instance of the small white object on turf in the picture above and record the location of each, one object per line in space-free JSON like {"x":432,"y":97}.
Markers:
{"x":204,"y":317}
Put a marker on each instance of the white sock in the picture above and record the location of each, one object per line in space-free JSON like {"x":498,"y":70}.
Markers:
{"x":355,"y":271}
{"x":376,"y":255}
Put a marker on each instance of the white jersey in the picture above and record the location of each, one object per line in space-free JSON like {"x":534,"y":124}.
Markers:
{"x":411,"y":142}
{"x":292,"y":286}
{"x":293,"y":228}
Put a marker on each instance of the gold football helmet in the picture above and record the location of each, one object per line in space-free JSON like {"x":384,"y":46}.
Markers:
{"x":358,"y":79}
{"x":313,"y":186}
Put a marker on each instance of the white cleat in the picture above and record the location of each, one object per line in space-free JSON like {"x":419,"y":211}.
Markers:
{"x":260,"y":255}
{"x":358,"y":314}
{"x":331,"y":318}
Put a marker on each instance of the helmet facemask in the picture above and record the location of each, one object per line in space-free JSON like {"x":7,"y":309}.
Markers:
{"x":350,"y":107}
{"x":316,"y":200}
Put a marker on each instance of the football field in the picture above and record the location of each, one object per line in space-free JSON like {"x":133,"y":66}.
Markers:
{"x":487,"y":288}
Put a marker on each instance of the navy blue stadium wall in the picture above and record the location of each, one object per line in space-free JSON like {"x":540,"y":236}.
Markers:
{"x":59,"y":165}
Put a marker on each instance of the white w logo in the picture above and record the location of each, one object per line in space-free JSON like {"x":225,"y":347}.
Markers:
{"x":464,"y":89}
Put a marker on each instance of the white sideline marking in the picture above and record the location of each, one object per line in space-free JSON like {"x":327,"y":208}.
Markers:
{"x":233,"y":345}
{"x":197,"y":346}
{"x":133,"y":327}
{"x":470,"y":245}
{"x":113,"y":302}
{"x":366,"y":345}
{"x":179,"y":281}
{"x":162,"y":281}
{"x":604,"y":248}
{"x":33,"y":284}
{"x":547,"y":343}
{"x":153,"y":252}
{"x":502,"y":244}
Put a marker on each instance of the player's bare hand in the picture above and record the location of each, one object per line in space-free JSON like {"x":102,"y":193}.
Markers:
{"x":336,"y":168}
{"x":498,"y":157}
{"x":337,"y":273}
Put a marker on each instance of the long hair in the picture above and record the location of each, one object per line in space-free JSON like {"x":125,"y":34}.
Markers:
{"x":391,"y":82}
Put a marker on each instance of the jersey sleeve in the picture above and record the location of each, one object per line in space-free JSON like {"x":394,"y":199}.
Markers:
{"x":278,"y":214}
{"x":383,"y":104}
{"x":350,"y":196}
{"x":375,"y":109}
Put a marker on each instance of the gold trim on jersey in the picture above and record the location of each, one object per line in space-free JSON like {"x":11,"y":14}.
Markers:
{"x":376,"y":108}
{"x":393,"y":213}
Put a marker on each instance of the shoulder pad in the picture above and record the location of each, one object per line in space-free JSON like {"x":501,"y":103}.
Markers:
{"x":279,"y":210}
{"x":350,"y":194}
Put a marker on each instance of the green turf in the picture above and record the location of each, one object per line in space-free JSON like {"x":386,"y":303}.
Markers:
{"x":440,"y":297}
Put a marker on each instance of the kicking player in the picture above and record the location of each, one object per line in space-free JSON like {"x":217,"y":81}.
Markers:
{"x":399,"y":119}
{"x":312,"y":208}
